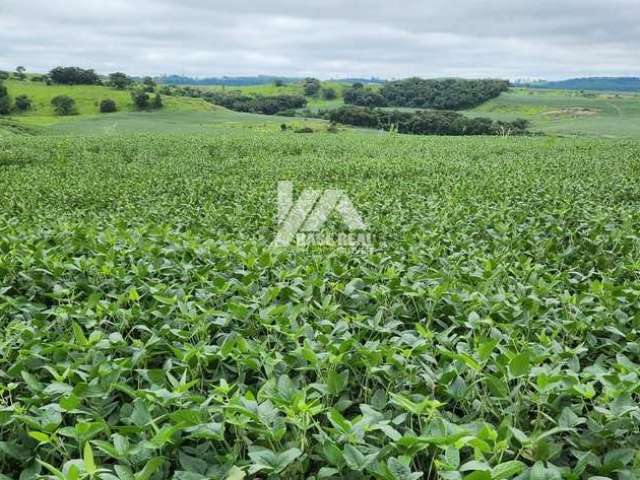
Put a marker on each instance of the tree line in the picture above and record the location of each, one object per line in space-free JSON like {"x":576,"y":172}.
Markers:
{"x":445,"y":94}
{"x":239,"y":102}
{"x":264,"y":104}
{"x":424,"y":122}
{"x":441,"y":94}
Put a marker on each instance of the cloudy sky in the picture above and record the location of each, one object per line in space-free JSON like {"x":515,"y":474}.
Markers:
{"x":329,"y":38}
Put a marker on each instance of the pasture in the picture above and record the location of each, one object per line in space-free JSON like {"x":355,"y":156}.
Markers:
{"x":570,"y":113}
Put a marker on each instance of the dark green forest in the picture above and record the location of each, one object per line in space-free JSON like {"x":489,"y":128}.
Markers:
{"x":445,"y":94}
{"x":424,"y":122}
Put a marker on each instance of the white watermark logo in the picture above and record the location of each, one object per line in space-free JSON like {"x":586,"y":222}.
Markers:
{"x":301,"y":223}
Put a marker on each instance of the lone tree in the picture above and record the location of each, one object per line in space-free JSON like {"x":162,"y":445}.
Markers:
{"x":329,"y":94}
{"x":311,"y":86}
{"x":149,"y":84}
{"x":5,"y":100}
{"x":120,"y":80}
{"x":156,"y":103}
{"x":23,"y":103}
{"x":20,"y":73}
{"x":140,"y":100}
{"x":108,"y":106}
{"x":64,"y":105}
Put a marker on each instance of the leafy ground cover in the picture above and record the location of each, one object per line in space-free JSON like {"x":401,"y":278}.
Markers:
{"x":147,"y":330}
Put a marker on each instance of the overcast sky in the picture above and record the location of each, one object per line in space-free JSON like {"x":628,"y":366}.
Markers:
{"x":329,"y":38}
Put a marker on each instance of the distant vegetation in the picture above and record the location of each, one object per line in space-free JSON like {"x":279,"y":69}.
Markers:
{"x":229,"y":81}
{"x":611,"y":84}
{"x":20,"y":73}
{"x":425,"y":122}
{"x":311,"y":86}
{"x":363,"y":97}
{"x":267,"y":105}
{"x":247,"y":81}
{"x":74,"y":76}
{"x":120,"y":80}
{"x":142,"y":100}
{"x":446,"y":94}
{"x":329,"y":93}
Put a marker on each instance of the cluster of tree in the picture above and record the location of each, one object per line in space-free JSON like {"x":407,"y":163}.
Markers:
{"x":64,"y":105}
{"x":424,"y":122}
{"x":311,"y":87}
{"x":149,"y":84}
{"x":444,"y":94}
{"x":5,"y":100}
{"x":74,"y":76}
{"x":22,"y":103}
{"x":187,"y":91}
{"x":21,"y":74}
{"x":363,"y":97}
{"x":329,"y":94}
{"x":142,"y":100}
{"x":120,"y":81}
{"x":41,"y":79}
{"x":267,"y":105}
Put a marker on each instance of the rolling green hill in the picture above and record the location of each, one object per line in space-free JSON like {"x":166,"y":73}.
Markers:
{"x":179,"y":115}
{"x":564,"y":112}
{"x":87,"y":99}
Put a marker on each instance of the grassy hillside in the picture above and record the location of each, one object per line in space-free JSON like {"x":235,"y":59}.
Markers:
{"x":179,"y":115}
{"x":87,"y":99}
{"x":568,"y":112}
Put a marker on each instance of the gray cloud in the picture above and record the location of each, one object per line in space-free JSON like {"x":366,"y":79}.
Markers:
{"x":327,"y":38}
